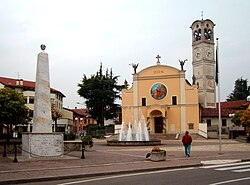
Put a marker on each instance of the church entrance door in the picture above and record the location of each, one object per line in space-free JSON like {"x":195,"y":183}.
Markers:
{"x":158,"y":124}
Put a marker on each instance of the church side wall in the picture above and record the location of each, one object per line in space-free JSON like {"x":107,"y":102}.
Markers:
{"x":127,"y":102}
{"x":192,"y":110}
{"x":127,"y":97}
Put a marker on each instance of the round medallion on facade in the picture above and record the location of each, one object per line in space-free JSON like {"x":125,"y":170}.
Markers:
{"x":158,"y":91}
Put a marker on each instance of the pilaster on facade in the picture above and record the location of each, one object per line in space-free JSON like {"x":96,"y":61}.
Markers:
{"x":136,"y":102}
{"x":183,"y":100}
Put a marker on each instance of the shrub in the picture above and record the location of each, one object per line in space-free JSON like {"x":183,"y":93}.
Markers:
{"x":87,"y":140}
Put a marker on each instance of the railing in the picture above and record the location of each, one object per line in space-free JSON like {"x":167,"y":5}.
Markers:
{"x":15,"y":147}
{"x":8,"y":149}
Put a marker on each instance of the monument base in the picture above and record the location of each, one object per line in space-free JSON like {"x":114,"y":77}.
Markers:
{"x":42,"y":144}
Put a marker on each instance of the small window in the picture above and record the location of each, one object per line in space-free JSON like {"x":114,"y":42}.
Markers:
{"x":190,"y":126}
{"x":31,"y":100}
{"x":224,"y":122}
{"x":208,"y":122}
{"x":143,"y":101}
{"x":174,"y":100}
{"x":31,"y":113}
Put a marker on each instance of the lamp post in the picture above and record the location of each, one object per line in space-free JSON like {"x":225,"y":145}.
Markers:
{"x":15,"y":148}
{"x":232,"y":131}
{"x":83,"y":149}
{"x":76,"y":126}
{"x":4,"y":148}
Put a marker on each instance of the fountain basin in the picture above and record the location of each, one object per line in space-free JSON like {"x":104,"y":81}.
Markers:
{"x":151,"y":142}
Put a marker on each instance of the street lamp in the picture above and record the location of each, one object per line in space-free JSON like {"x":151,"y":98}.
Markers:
{"x":231,"y":132}
{"x":248,"y":98}
{"x":231,"y":115}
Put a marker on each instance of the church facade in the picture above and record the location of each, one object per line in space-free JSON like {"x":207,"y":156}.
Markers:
{"x":161,"y":95}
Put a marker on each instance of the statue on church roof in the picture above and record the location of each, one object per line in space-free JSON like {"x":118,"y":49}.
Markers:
{"x":194,"y":79}
{"x":182,"y":63}
{"x":125,"y":84}
{"x":134,"y":66}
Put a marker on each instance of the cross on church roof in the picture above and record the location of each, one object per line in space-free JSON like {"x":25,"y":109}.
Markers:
{"x":158,"y":59}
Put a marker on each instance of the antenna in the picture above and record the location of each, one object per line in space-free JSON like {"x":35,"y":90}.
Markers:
{"x":201,"y":15}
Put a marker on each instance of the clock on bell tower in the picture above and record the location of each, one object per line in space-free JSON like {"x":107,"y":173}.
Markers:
{"x":204,"y":61}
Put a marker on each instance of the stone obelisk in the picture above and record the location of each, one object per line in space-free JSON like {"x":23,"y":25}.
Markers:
{"x":42,"y":122}
{"x":42,"y":142}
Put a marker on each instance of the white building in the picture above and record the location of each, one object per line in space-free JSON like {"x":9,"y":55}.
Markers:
{"x":28,"y":90}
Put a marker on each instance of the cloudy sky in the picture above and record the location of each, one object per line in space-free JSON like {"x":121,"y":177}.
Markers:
{"x":79,"y":34}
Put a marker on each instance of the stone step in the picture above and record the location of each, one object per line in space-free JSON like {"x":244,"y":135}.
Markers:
{"x":163,"y":136}
{"x":243,"y":139}
{"x":216,"y":136}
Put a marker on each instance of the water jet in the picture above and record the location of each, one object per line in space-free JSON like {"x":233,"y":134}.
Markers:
{"x":134,"y":135}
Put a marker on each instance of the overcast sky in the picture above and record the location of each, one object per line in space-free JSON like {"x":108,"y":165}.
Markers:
{"x":79,"y":34}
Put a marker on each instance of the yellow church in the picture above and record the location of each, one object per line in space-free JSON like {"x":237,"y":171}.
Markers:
{"x":164,"y":98}
{"x":161,"y":95}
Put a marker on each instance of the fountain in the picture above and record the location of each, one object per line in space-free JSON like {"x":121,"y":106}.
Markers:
{"x":134,"y":135}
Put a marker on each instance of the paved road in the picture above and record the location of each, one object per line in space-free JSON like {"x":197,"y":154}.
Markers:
{"x":106,"y":160}
{"x":233,"y":173}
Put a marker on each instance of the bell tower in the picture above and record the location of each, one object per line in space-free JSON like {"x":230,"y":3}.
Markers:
{"x":204,"y":61}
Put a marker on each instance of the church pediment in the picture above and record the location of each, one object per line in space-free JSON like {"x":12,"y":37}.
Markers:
{"x":158,"y":70}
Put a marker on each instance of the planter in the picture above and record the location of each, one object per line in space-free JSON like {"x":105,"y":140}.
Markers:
{"x":158,"y":156}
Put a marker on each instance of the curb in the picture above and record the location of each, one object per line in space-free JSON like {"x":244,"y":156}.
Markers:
{"x":19,"y":181}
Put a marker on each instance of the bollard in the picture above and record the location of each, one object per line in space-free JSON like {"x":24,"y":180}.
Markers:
{"x":83,"y":148}
{"x":15,"y":159}
{"x":4,"y":149}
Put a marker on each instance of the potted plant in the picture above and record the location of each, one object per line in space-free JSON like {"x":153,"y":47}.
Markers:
{"x":158,"y":154}
{"x":87,"y":141}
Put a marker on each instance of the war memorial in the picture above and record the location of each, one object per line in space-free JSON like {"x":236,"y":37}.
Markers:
{"x":42,"y":142}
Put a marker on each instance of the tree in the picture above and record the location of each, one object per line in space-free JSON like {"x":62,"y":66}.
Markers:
{"x":236,"y":118}
{"x":100,"y":92}
{"x":13,"y":110}
{"x":241,"y":90}
{"x":245,"y":118}
{"x":55,"y":114}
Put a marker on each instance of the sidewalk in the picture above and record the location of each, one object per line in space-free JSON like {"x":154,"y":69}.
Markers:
{"x":104,"y":160}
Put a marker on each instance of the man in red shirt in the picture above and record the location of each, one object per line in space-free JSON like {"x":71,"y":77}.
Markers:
{"x":187,"y":140}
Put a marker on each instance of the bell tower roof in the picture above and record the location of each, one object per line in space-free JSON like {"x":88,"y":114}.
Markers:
{"x":202,"y":21}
